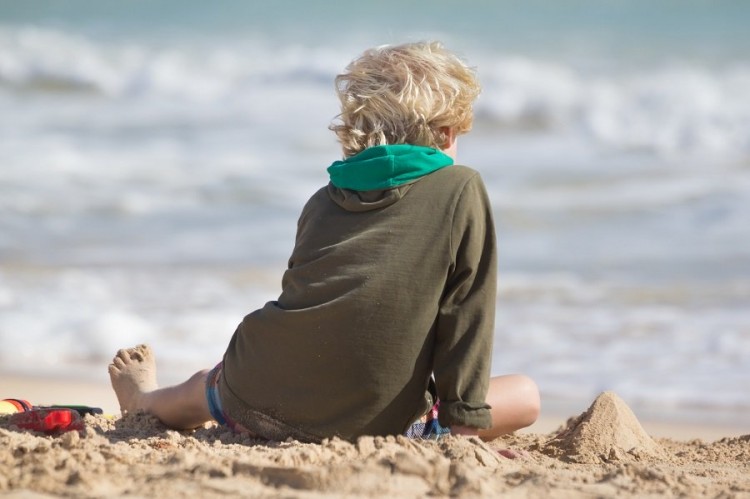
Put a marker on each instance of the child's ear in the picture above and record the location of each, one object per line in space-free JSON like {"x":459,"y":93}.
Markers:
{"x":450,"y":137}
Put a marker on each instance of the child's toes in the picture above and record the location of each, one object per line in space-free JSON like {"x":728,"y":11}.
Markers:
{"x":142,"y":353}
{"x":119,"y":363}
{"x":123,"y":355}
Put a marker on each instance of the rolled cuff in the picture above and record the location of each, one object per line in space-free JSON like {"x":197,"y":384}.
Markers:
{"x":465,"y":414}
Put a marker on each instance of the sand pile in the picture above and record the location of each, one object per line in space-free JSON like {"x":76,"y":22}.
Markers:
{"x":607,"y":432}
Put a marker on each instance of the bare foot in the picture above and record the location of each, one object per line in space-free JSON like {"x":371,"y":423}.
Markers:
{"x":133,"y":374}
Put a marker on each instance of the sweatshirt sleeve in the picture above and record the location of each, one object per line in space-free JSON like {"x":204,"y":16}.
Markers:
{"x":466,"y":318}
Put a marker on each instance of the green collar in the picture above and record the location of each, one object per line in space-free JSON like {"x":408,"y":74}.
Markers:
{"x":384,"y":167}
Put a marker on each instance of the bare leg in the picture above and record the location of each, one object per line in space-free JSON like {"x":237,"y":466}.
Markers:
{"x":133,"y":376}
{"x":515,"y":404}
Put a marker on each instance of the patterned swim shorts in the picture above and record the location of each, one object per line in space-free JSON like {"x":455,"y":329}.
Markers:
{"x":428,"y":427}
{"x":214,"y":401}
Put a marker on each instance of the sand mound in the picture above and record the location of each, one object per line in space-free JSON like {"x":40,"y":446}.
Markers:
{"x":607,"y":432}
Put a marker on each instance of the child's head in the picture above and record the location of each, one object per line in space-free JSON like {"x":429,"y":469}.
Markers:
{"x":404,"y":94}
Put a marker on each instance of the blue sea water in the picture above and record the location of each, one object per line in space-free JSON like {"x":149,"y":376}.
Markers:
{"x":155,"y":155}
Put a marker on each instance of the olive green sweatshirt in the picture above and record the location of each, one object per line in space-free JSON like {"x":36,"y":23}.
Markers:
{"x":385,"y":288}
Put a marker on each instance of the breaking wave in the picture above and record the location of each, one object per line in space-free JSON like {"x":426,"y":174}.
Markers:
{"x":669,"y":109}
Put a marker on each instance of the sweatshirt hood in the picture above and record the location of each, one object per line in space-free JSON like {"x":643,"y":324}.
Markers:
{"x":384,"y":167}
{"x":381,"y":175}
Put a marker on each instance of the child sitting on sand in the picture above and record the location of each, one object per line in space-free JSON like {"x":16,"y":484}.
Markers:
{"x":385,"y":321}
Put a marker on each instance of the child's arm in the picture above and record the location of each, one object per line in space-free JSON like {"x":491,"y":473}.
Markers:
{"x":465,"y":325}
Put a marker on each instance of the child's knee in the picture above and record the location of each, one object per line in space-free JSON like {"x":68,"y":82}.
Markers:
{"x":531,"y":400}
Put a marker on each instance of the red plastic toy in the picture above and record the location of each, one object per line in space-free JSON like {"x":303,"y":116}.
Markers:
{"x":48,"y":420}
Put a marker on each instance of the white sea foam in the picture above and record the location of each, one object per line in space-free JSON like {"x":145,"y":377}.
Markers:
{"x":56,"y":319}
{"x":671,"y":110}
{"x":657,"y":345}
{"x":660,"y":346}
{"x":46,"y":60}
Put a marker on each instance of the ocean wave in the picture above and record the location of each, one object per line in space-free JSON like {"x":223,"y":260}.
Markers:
{"x":675,"y":109}
{"x":49,"y":61}
{"x":669,"y":110}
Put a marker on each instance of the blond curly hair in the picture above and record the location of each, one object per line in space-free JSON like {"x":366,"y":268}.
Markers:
{"x":404,"y":94}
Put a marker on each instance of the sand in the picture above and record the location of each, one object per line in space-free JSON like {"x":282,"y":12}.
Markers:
{"x":603,"y":452}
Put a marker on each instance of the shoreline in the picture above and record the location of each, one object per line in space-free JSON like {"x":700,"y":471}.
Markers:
{"x":672,"y":424}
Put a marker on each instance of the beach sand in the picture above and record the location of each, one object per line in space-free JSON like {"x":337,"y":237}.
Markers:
{"x":604,"y":451}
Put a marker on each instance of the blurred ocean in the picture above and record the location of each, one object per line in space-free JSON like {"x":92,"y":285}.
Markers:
{"x":155,"y":155}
